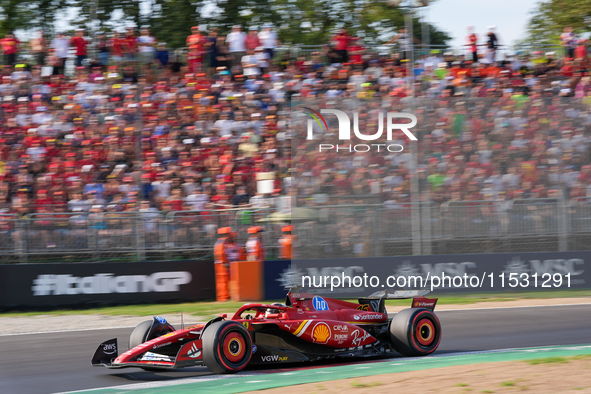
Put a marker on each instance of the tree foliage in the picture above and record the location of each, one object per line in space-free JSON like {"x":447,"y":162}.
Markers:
{"x":550,"y":17}
{"x":310,"y":22}
{"x":314,"y":21}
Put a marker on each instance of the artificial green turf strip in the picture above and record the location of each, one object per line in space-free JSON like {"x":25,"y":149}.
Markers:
{"x":262,"y":381}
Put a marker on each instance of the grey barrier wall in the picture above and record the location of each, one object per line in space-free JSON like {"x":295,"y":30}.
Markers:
{"x":29,"y":286}
{"x":467,"y":273}
{"x":91,"y":284}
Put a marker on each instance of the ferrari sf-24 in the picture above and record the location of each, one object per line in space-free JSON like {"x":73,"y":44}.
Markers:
{"x":306,"y":328}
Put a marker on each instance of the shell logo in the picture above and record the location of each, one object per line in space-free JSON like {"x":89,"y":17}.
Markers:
{"x":321,"y":333}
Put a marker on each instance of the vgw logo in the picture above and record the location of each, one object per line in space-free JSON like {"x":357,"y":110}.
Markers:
{"x":273,"y":358}
{"x":345,"y":130}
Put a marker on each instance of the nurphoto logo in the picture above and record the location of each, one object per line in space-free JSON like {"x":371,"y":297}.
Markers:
{"x":344,"y":132}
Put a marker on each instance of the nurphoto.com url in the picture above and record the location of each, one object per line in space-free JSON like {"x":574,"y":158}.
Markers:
{"x":503,"y":280}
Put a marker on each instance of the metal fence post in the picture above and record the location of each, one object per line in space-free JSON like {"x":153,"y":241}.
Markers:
{"x":426,"y":233}
{"x":20,"y":241}
{"x":563,"y":225}
{"x":140,"y":238}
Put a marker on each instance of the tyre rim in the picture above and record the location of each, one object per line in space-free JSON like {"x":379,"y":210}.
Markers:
{"x":425,"y":332}
{"x":234,"y":347}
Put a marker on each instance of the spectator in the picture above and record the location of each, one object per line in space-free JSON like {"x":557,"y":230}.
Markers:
{"x":252,"y":40}
{"x":196,"y":48}
{"x":146,"y":46}
{"x":162,"y":54}
{"x":236,"y":42}
{"x":269,"y":40}
{"x":341,"y":42}
{"x":568,"y":39}
{"x":79,"y":42}
{"x":473,"y":44}
{"x":10,"y":47}
{"x":129,"y":45}
{"x":61,"y":46}
{"x":39,"y":47}
{"x":492,"y":44}
{"x":102,"y":45}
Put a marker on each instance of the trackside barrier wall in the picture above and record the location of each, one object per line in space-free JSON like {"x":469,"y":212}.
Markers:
{"x":277,"y":276}
{"x":92,"y":284}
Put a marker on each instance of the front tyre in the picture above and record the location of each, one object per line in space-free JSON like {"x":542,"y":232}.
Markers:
{"x":227,"y":347}
{"x":415,"y":332}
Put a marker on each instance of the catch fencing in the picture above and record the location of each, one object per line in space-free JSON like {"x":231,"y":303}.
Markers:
{"x":351,"y":230}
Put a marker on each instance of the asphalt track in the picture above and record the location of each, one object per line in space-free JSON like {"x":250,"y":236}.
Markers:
{"x":55,"y":362}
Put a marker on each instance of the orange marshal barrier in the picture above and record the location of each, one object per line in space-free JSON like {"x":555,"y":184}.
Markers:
{"x":246,"y":280}
{"x":221,"y":279}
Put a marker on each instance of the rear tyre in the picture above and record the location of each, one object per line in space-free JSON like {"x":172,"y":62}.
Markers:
{"x":415,"y":332}
{"x":227,"y":347}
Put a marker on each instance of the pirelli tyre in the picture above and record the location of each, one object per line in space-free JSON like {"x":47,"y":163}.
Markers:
{"x":415,"y":332}
{"x":140,"y":333}
{"x":227,"y":347}
{"x":148,"y":330}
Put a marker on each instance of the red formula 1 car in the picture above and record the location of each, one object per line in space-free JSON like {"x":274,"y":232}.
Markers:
{"x":305,"y":328}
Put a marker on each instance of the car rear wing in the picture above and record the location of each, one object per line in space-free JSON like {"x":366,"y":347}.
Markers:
{"x":398,"y":294}
{"x":376,"y":302}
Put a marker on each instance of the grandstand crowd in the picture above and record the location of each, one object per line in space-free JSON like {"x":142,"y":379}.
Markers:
{"x":132,"y":126}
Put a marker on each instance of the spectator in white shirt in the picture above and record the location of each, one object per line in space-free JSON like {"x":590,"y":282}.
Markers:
{"x":146,"y":46}
{"x":269,"y":39}
{"x":197,"y":199}
{"x":61,"y":45}
{"x":236,"y":41}
{"x":250,"y":64}
{"x":224,"y":125}
{"x":262,"y":59}
{"x":511,"y":178}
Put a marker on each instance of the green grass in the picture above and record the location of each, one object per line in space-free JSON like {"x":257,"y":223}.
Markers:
{"x":557,"y":360}
{"x":549,"y":360}
{"x":508,"y":384}
{"x":201,"y":309}
{"x":360,"y":385}
{"x":211,"y":308}
{"x":461,"y":385}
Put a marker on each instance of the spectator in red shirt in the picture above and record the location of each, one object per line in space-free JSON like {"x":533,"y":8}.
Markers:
{"x":356,"y":50}
{"x":79,"y":42}
{"x":130,"y":44}
{"x":10,"y":48}
{"x":252,"y":39}
{"x":117,"y":44}
{"x":342,"y":40}
{"x":472,"y":42}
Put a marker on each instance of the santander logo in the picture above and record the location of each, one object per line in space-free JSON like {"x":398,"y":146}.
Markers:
{"x":376,"y":316}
